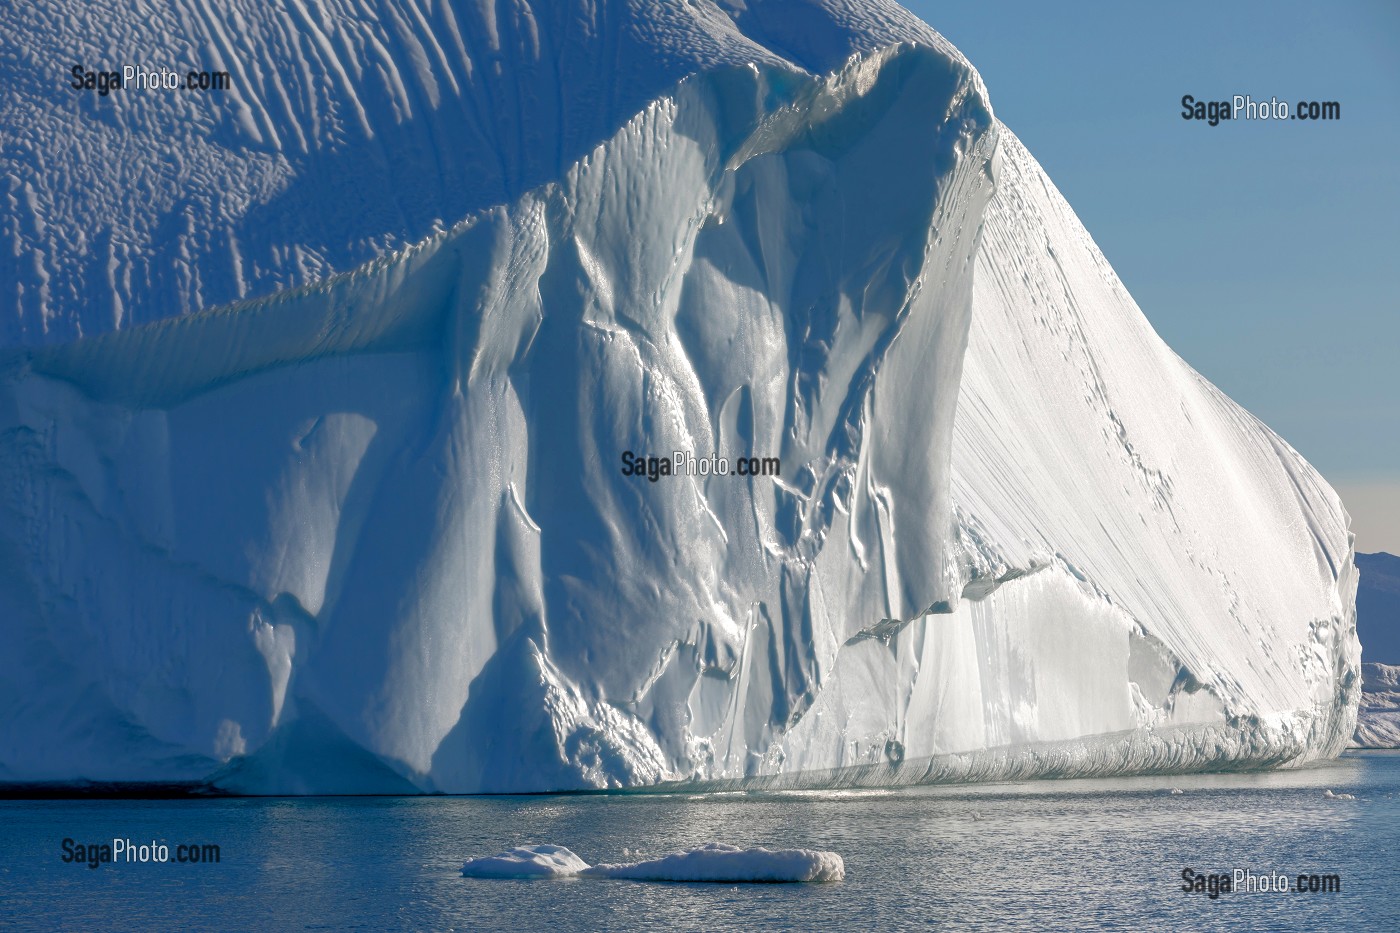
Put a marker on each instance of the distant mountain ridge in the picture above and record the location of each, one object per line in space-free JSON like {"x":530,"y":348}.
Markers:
{"x":1378,"y":627}
{"x":1378,"y":607}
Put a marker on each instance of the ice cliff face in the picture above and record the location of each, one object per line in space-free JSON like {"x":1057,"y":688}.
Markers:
{"x":371,"y":533}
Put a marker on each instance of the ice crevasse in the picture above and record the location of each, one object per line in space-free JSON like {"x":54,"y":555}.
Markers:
{"x":370,"y":532}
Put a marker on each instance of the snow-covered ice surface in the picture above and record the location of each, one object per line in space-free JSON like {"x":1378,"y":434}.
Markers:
{"x":712,"y":862}
{"x":370,"y":533}
{"x":538,"y":861}
{"x":348,"y":130}
{"x":718,"y":862}
{"x":1378,"y":724}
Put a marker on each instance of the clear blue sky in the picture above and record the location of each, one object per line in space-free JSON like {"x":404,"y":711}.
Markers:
{"x":1266,"y":254}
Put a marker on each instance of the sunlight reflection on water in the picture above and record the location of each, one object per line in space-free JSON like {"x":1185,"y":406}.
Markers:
{"x":1000,"y":856}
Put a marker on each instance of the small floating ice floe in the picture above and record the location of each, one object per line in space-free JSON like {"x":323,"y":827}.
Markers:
{"x":526,"y":862}
{"x":714,"y":862}
{"x":1176,"y":790}
{"x":1331,"y":796}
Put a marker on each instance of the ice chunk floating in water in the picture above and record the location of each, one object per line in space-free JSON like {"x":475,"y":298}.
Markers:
{"x":713,"y":862}
{"x":723,"y":863}
{"x":542,"y":861}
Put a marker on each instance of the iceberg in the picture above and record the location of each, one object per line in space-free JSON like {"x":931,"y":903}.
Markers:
{"x":538,"y":861}
{"x":370,"y":528}
{"x":1378,"y":719}
{"x":719,"y":863}
{"x":713,"y":862}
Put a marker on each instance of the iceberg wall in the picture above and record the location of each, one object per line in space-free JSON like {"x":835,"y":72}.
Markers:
{"x":1152,"y":580}
{"x":372,"y":533}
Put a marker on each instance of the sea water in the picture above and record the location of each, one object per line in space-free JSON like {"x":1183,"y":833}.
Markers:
{"x":1037,"y":855}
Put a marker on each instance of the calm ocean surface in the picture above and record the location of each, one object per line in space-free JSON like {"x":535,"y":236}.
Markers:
{"x":1047,"y":855}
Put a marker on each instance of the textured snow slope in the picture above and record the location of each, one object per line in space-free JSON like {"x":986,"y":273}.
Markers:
{"x":371,"y":534}
{"x":1222,"y":557}
{"x":350,"y":129}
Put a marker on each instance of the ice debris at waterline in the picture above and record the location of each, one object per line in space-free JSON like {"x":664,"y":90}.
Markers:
{"x":713,"y":862}
{"x":366,"y":531}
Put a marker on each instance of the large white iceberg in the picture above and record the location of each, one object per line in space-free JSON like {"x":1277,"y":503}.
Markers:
{"x":372,"y":533}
